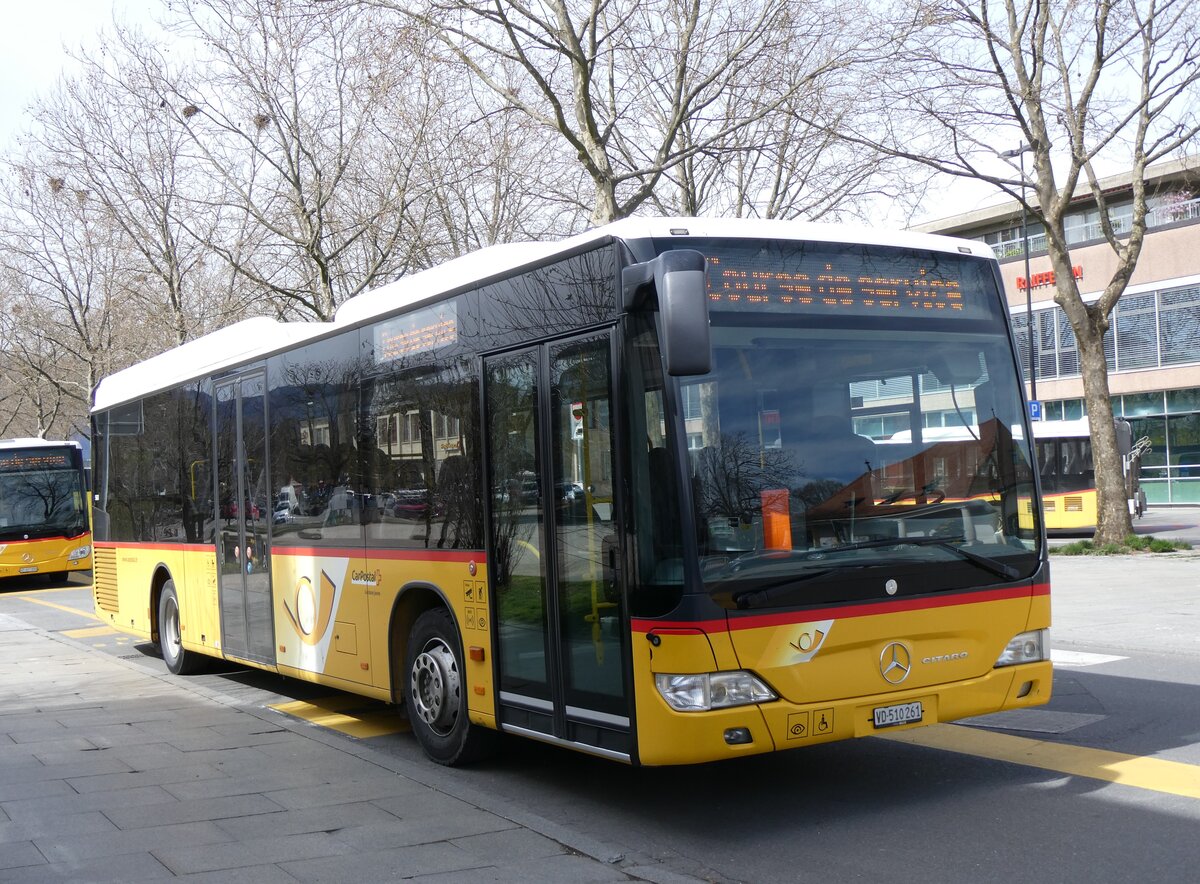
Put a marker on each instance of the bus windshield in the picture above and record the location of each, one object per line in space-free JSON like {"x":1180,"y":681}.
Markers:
{"x":41,"y":494}
{"x":837,"y":451}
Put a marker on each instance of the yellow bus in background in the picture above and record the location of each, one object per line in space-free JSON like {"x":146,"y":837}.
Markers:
{"x":624,"y":493}
{"x":44,"y":525}
{"x":1068,"y":477}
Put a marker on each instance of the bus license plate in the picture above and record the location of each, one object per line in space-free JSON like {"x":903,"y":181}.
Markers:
{"x":904,"y":713}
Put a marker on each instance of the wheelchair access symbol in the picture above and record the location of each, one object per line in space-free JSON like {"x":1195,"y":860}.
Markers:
{"x":822,"y":722}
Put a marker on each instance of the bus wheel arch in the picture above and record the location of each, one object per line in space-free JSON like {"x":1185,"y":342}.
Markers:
{"x":167,"y":630}
{"x":428,"y":673}
{"x":413,"y":600}
{"x":162,"y":576}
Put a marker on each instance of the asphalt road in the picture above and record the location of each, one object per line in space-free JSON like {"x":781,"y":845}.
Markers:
{"x":1103,"y":784}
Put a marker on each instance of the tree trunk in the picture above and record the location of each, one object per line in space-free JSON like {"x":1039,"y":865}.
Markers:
{"x":604,"y":210}
{"x":1113,"y":521}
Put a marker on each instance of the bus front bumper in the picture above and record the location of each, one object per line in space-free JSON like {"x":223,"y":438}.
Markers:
{"x":669,"y":737}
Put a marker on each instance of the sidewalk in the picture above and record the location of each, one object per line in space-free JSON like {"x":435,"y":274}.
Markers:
{"x":1136,"y":603}
{"x":111,"y":773}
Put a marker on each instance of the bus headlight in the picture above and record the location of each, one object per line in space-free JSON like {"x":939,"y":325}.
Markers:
{"x":80,"y":552}
{"x":712,"y":690}
{"x":1025,"y":647}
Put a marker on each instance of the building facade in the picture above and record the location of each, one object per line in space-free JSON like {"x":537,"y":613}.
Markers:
{"x":1153,"y":346}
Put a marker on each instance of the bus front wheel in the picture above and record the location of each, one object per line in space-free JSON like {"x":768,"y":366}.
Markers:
{"x":435,"y":693}
{"x":170,"y":636}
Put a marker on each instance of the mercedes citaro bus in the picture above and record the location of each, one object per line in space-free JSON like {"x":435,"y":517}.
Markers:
{"x":44,"y":524}
{"x":638,"y":493}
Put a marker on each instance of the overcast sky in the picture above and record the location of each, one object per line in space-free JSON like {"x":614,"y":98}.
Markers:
{"x":31,"y":46}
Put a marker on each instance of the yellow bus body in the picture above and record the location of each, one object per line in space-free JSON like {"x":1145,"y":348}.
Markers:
{"x":824,"y":665}
{"x":1071,"y":511}
{"x":827,"y":672}
{"x":44,"y":555}
{"x":334,"y":610}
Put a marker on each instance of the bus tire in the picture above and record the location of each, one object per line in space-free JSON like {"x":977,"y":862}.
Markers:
{"x":435,"y":693}
{"x":170,"y":640}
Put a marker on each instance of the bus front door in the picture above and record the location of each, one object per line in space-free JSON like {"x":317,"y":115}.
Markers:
{"x":243,"y":501}
{"x":554,"y":557}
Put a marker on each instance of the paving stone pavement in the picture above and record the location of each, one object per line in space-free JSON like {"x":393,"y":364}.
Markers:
{"x":111,"y":773}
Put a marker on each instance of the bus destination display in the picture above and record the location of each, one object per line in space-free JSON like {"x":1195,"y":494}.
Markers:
{"x":25,"y":460}
{"x":416,"y":332}
{"x":860,"y":284}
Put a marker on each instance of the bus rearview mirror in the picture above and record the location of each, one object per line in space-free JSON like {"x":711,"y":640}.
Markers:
{"x":678,"y":277}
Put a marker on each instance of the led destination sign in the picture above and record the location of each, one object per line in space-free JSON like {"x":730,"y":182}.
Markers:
{"x":28,"y":459}
{"x":815,"y":278}
{"x":416,"y":332}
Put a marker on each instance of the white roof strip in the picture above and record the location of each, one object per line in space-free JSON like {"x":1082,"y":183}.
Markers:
{"x":35,"y":442}
{"x":443,"y":278}
{"x":226,"y":347}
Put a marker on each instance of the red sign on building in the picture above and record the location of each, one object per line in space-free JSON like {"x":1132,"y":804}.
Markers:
{"x":1042,"y":280}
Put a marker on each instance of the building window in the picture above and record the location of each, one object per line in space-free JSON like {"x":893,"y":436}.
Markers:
{"x":1137,"y":332}
{"x":1179,"y":324}
{"x":1150,"y":329}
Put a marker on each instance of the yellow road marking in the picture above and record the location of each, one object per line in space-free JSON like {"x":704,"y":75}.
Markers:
{"x":89,"y":632}
{"x":66,"y":608}
{"x":329,"y":712}
{"x":1154,"y":774}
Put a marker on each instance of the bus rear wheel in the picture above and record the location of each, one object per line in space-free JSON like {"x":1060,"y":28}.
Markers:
{"x":435,"y":693}
{"x":170,"y":636}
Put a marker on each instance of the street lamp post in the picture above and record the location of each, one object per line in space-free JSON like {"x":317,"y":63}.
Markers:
{"x":1019,"y":152}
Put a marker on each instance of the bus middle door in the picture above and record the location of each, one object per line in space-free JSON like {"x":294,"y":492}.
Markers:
{"x":554,"y":545}
{"x":243,"y":501}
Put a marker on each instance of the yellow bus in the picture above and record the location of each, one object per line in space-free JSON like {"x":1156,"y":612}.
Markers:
{"x":621,"y":493}
{"x":1068,"y":477}
{"x":44,"y":527}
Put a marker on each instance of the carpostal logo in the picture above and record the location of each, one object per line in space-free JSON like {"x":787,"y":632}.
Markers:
{"x":366,"y":578}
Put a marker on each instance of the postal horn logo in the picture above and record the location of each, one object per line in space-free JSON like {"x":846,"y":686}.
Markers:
{"x":310,"y":611}
{"x":895,"y":663}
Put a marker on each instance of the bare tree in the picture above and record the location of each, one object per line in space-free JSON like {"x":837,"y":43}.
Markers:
{"x":64,"y":263}
{"x":298,"y":112}
{"x":637,"y":87}
{"x":103,"y":131}
{"x":498,"y":179}
{"x":790,"y":163}
{"x":1077,"y":83}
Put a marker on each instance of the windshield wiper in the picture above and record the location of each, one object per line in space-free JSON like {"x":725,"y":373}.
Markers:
{"x":45,"y":529}
{"x":757,"y":598}
{"x":995,"y":566}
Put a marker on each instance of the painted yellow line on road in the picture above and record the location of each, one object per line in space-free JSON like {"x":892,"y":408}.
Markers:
{"x":1154,"y":774}
{"x":89,"y":632}
{"x":331,"y":712}
{"x":67,"y":608}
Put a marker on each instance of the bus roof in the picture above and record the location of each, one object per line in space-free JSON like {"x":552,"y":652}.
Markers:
{"x":501,"y":260}
{"x":262,"y":336}
{"x":34,"y":442}
{"x":224,"y":348}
